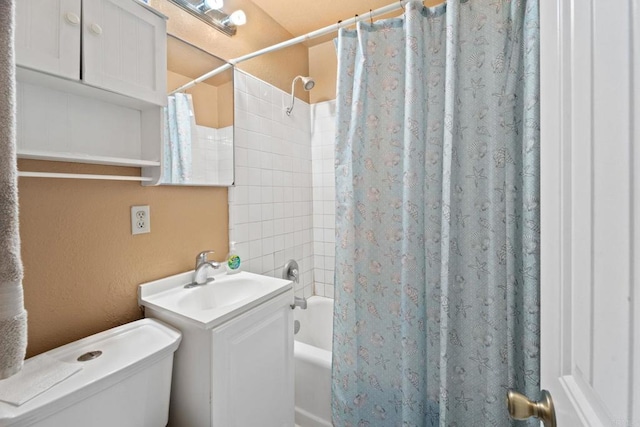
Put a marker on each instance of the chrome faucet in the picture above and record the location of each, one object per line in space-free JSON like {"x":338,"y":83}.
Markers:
{"x":202,"y":263}
{"x":203,"y":257}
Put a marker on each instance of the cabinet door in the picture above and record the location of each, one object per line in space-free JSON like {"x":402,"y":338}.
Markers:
{"x":124,"y":49}
{"x":48,"y":36}
{"x":252,"y":369}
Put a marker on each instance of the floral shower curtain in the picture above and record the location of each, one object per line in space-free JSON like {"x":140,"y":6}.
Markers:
{"x":437,"y":216}
{"x":179,"y":131}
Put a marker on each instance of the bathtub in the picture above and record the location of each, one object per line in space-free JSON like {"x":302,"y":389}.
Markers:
{"x":312,"y":354}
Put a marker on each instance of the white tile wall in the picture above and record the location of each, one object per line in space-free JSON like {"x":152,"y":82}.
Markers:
{"x":212,"y":154}
{"x":324,"y":192}
{"x":270,"y":207}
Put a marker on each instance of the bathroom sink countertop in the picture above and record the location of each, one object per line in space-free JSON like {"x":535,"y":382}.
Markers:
{"x":210,"y":305}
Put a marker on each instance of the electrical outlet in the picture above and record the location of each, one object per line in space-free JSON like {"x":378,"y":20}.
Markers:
{"x":140,"y":220}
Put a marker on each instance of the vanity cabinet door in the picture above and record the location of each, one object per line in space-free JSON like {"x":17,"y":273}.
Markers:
{"x":124,"y":49}
{"x":48,"y":36}
{"x":252,"y":368}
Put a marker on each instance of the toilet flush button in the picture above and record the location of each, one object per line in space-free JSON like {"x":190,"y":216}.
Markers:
{"x":89,"y":356}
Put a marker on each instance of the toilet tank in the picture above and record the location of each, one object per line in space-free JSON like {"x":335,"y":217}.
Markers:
{"x":128,"y":385}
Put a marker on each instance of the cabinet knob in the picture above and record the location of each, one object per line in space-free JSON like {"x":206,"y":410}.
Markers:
{"x":72,"y":18}
{"x":95,"y":29}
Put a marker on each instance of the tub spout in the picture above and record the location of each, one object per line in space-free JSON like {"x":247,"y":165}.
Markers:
{"x":299,"y":302}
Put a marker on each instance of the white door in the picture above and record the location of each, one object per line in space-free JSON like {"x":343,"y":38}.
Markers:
{"x":48,"y":36}
{"x":590,"y":202}
{"x":124,"y":49}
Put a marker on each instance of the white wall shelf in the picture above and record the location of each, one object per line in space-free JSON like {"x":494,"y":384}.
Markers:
{"x":26,"y":174}
{"x":84,"y":158}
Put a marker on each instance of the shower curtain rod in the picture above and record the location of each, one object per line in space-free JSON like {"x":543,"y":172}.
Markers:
{"x":313,"y":34}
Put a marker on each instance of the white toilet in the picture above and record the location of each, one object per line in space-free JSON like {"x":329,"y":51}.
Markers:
{"x":127,"y":385}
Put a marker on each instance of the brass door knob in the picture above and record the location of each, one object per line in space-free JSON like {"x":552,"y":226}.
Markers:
{"x":521,"y":408}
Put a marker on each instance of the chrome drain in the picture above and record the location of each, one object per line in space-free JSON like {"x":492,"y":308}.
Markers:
{"x":90,"y":356}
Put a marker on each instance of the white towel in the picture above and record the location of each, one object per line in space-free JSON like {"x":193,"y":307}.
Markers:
{"x":13,"y":317}
{"x":39,"y":374}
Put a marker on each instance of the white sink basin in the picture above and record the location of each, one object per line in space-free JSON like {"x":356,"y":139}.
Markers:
{"x":210,"y":305}
{"x":220,"y":293}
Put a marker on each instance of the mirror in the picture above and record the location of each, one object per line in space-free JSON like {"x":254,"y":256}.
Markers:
{"x":198,"y":146}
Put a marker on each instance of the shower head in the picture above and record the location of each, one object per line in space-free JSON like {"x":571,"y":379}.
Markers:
{"x":308,"y":84}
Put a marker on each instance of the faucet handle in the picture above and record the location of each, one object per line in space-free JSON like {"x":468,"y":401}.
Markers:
{"x":203,"y":257}
{"x":291,"y":271}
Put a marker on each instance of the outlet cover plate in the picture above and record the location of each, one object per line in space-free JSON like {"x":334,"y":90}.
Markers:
{"x":140,"y":220}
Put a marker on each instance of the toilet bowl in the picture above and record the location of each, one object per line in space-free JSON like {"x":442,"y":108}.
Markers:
{"x":125,"y":381}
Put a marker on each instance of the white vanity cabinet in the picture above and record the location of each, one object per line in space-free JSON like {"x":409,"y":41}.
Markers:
{"x":252,"y":368}
{"x":91,"y":82}
{"x":234,"y":366}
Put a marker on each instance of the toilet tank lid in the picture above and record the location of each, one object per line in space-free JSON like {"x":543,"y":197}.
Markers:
{"x":125,"y":349}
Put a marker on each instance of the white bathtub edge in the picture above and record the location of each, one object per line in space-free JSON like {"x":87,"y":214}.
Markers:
{"x":311,"y":354}
{"x":306,"y":419}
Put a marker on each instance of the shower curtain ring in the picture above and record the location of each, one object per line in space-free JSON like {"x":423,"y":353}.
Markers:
{"x":371,"y":16}
{"x":401,"y":5}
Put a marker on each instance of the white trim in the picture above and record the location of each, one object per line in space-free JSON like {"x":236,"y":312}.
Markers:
{"x":574,"y":387}
{"x":634,"y":339}
{"x":550,"y":191}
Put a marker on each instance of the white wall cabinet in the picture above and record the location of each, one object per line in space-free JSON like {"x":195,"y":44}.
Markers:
{"x":91,"y":82}
{"x":122,"y":44}
{"x":124,"y":49}
{"x":48,"y":36}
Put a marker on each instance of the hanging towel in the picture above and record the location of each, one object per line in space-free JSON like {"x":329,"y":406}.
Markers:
{"x":13,"y":317}
{"x":39,"y":375}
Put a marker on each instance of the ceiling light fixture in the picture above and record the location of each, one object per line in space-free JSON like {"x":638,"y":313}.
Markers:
{"x":208,"y":5}
{"x":209,"y":12}
{"x":236,"y":18}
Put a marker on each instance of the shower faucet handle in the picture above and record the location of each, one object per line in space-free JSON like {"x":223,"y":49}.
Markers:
{"x":291,"y":271}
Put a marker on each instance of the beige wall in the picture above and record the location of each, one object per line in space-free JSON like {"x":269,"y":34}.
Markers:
{"x":225,"y":105}
{"x":323,"y":66}
{"x":204,"y":96}
{"x":82,"y":265}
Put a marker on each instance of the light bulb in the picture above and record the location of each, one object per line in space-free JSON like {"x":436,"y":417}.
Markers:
{"x":214,"y":4}
{"x":238,"y":18}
